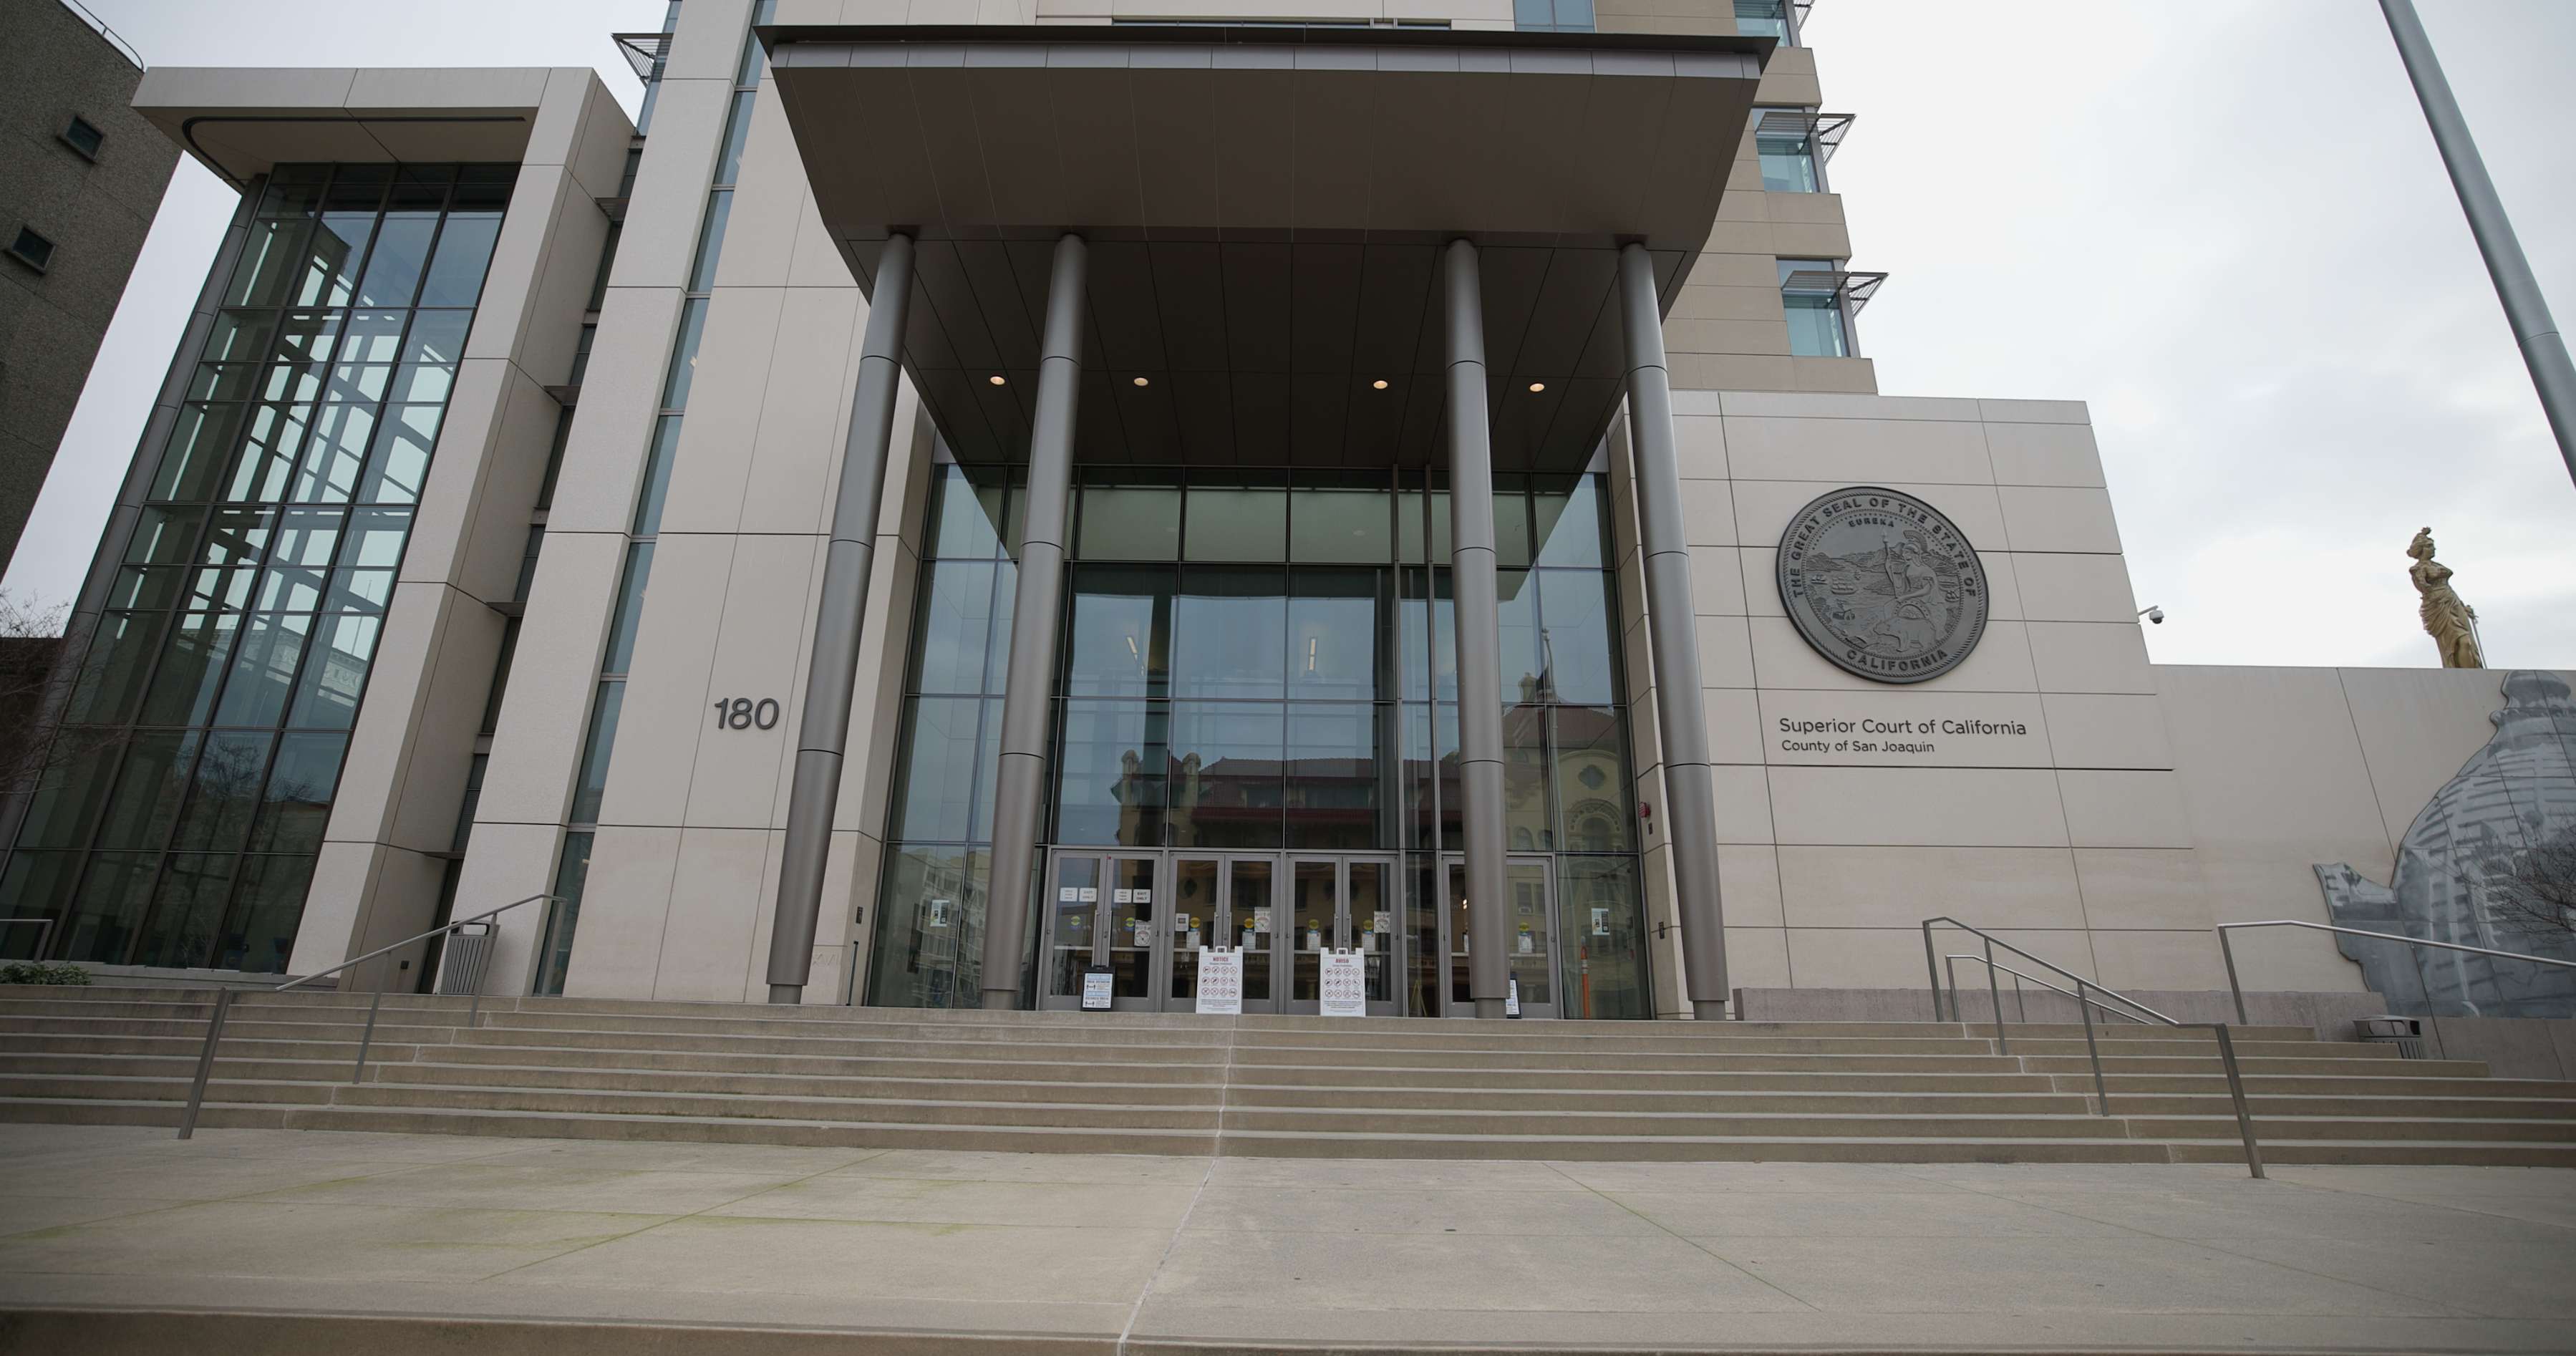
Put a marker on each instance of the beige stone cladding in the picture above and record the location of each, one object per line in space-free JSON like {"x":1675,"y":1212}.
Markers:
{"x":684,"y":870}
{"x":2046,"y":807}
{"x":2286,"y":768}
{"x":537,"y":744}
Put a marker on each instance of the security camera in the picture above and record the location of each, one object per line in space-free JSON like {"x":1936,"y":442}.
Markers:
{"x":2154,"y":615}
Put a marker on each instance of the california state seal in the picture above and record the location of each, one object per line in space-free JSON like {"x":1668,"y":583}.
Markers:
{"x":1882,"y":585}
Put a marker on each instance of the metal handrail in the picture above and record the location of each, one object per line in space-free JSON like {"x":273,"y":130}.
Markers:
{"x":2101,"y":1088}
{"x":1992,"y":942}
{"x":2075,"y":994}
{"x":224,"y":1003}
{"x":2229,"y":952}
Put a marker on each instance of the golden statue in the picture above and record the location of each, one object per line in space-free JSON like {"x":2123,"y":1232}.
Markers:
{"x":2451,"y":623}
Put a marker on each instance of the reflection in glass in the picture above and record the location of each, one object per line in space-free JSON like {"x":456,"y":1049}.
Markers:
{"x":1592,"y":780}
{"x":948,"y":752}
{"x":1605,"y":938}
{"x":1225,"y":775}
{"x":1110,"y":780}
{"x":954,"y":628}
{"x":1229,"y":633}
{"x":930,"y":929}
{"x":1131,"y":522}
{"x":1229,"y":523}
{"x":1116,"y":631}
{"x":1331,"y":788}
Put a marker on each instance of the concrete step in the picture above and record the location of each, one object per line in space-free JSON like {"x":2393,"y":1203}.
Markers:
{"x":1312,"y":1087}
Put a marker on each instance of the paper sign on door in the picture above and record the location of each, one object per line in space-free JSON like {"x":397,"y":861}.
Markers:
{"x":1220,"y":983}
{"x":1345,"y":985}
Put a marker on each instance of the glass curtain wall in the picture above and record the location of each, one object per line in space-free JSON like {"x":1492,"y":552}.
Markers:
{"x":929,"y":949}
{"x":203,"y":738}
{"x":599,"y":741}
{"x":1260,"y":660}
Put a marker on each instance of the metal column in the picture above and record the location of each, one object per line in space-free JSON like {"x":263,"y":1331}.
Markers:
{"x":1020,"y":797}
{"x":2544,"y":349}
{"x":833,"y":676}
{"x":1690,"y":801}
{"x":1480,"y":648}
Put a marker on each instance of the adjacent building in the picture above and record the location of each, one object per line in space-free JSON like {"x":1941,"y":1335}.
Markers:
{"x":81,"y":175}
{"x":1001,"y":507}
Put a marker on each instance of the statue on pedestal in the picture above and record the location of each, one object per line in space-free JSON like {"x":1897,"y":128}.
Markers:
{"x":2451,"y":623}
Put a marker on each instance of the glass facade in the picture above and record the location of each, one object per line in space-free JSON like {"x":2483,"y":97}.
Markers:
{"x":1257,"y":660}
{"x":206,"y":725}
{"x":1552,"y":16}
{"x":1765,"y":19}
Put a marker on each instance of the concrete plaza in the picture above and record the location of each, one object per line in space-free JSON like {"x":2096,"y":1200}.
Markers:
{"x":285,"y":1241}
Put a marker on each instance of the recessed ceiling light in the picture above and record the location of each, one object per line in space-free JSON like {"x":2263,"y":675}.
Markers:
{"x":995,"y":380}
{"x":1379,"y":384}
{"x":1140,"y":381}
{"x":1538,"y":386}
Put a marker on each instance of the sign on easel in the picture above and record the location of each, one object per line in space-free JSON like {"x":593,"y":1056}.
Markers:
{"x":1345,"y":985}
{"x":1220,"y":982}
{"x":1096,"y":990}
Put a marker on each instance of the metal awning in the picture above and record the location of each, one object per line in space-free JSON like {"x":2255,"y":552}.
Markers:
{"x":1265,"y":208}
{"x":1823,"y":131}
{"x":1854,"y":288}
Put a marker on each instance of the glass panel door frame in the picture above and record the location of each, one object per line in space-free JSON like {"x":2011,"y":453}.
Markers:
{"x":1358,"y":908}
{"x":1242,"y":912}
{"x":1533,"y":962}
{"x":1106,"y":906}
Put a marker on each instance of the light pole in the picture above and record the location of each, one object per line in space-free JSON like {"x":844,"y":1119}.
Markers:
{"x":2544,"y":349}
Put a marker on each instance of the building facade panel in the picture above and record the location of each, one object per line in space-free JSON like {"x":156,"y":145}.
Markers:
{"x":592,"y":681}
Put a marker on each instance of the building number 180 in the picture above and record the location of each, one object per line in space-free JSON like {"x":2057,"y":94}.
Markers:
{"x":742,"y":713}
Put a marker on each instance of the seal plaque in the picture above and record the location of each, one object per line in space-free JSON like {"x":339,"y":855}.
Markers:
{"x":1882,"y":585}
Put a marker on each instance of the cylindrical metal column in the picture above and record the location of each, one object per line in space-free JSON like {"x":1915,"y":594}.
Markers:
{"x":1019,"y":800}
{"x":1480,"y":647}
{"x":833,"y":676}
{"x":2544,"y":349}
{"x":1672,"y":636}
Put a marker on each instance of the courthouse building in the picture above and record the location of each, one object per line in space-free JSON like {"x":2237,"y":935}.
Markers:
{"x":954,"y":501}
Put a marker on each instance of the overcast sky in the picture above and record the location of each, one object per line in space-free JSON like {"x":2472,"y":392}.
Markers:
{"x":2225,"y":227}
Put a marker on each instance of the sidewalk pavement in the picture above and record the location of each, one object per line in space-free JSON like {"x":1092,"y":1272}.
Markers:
{"x":120,"y":1238}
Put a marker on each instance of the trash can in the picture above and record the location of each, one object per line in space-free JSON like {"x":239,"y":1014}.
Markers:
{"x":2406,"y":1033}
{"x":460,"y":969}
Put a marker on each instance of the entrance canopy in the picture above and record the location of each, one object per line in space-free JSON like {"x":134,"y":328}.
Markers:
{"x":1265,"y":209}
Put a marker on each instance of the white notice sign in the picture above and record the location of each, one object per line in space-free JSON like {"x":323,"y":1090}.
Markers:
{"x":1221,"y":983}
{"x":1345,"y":988}
{"x":1095,"y":989}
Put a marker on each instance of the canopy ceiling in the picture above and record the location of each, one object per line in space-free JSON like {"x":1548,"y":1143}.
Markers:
{"x":1266,"y":208}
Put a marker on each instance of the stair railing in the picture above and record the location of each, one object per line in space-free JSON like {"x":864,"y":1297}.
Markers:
{"x":2101,"y":1088}
{"x":2414,"y":955}
{"x":224,"y":1003}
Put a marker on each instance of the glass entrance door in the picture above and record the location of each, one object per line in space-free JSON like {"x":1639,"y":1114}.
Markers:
{"x":1223,"y":901}
{"x":1105,"y":910}
{"x":1529,"y":935}
{"x":1145,"y":916}
{"x":1342,"y":903}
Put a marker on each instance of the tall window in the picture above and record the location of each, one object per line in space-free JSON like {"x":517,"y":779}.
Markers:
{"x":203,"y":737}
{"x":1552,"y":16}
{"x":1811,"y":296}
{"x":1767,"y":19}
{"x":1256,"y":660}
{"x":1788,"y":158}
